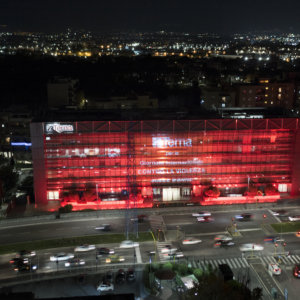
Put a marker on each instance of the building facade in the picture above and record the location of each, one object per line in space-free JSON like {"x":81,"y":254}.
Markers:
{"x":116,"y":164}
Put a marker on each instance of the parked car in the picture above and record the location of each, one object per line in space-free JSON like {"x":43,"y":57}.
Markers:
{"x":294,"y":218}
{"x":74,"y":262}
{"x":120,"y":277}
{"x":105,"y":251}
{"x":201,"y":214}
{"x":130,"y":275}
{"x":129,"y":244}
{"x":85,"y":248}
{"x":274,"y":269}
{"x":226,"y":272}
{"x":114,"y":258}
{"x":244,"y":217}
{"x":223,"y":237}
{"x":222,"y":243}
{"x":105,"y":287}
{"x":251,"y":247}
{"x":61,"y":256}
{"x":191,"y":241}
{"x":296,"y":270}
{"x":103,"y":227}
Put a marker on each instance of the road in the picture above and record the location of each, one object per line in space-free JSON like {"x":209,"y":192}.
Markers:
{"x":198,"y":255}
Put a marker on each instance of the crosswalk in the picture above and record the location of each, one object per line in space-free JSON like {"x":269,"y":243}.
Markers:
{"x":233,"y":262}
{"x":241,"y":262}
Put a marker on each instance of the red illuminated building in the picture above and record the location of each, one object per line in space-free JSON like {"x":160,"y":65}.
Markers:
{"x":121,"y":164}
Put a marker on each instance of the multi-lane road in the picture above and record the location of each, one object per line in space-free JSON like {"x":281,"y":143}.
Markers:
{"x":178,"y":224}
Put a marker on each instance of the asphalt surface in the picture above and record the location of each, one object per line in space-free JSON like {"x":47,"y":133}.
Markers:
{"x":181,"y":224}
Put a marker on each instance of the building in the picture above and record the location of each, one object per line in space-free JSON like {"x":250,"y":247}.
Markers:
{"x":266,"y":94}
{"x":119,"y":164}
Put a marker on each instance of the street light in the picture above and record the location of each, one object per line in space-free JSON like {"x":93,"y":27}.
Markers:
{"x":97,"y":200}
{"x":154,"y":240}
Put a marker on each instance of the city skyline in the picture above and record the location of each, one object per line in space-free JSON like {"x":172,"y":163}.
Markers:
{"x":190,"y":16}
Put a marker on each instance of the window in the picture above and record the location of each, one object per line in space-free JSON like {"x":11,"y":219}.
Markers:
{"x":53,"y":195}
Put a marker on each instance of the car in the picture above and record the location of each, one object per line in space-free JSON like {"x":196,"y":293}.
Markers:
{"x":84,"y":248}
{"x":205,"y":219}
{"x":105,"y":251}
{"x":26,"y":253}
{"x":105,"y":287}
{"x":15,"y":261}
{"x":120,"y":277}
{"x":251,"y":247}
{"x":129,"y":244}
{"x":114,"y":258}
{"x":294,"y":218}
{"x":223,"y":237}
{"x":244,"y":217}
{"x":226,"y":272}
{"x":191,"y":241}
{"x":298,"y":234}
{"x":74,"y":262}
{"x":273,"y":239}
{"x":61,"y":256}
{"x":151,"y":252}
{"x":279,"y":213}
{"x":274,"y":269}
{"x":103,"y":227}
{"x":108,"y":277}
{"x":296,"y":270}
{"x":130,"y":275}
{"x":168,"y":249}
{"x":222,"y":243}
{"x":174,"y":255}
{"x":201,"y":214}
{"x":23,"y":267}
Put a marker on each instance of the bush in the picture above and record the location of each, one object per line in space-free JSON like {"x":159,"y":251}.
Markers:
{"x":167,"y":266}
{"x":183,"y":269}
{"x":198,"y":272}
{"x":65,"y":209}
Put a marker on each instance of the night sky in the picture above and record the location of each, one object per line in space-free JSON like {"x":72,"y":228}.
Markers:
{"x":220,"y":16}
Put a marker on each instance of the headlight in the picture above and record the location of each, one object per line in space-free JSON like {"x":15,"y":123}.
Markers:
{"x":67,"y":264}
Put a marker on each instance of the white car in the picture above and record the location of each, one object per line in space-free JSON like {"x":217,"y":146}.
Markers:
{"x":274,"y":269}
{"x":223,"y":237}
{"x":174,"y":255}
{"x":168,"y":249}
{"x":201,"y":214}
{"x":294,"y":218}
{"x":61,"y":256}
{"x":84,"y":248}
{"x":251,"y":247}
{"x":105,"y":287}
{"x":129,"y":244}
{"x":191,"y":241}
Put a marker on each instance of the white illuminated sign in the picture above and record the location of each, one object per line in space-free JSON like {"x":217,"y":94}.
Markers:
{"x":58,"y":128}
{"x":163,"y":142}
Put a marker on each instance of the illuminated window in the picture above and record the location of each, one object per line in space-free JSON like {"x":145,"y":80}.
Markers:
{"x":52,"y":195}
{"x":279,"y":96}
{"x":280,"y":90}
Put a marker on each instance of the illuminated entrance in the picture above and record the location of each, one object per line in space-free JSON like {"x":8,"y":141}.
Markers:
{"x":171,"y":194}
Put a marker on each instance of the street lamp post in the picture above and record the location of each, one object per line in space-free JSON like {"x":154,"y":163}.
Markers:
{"x":97,"y":200}
{"x":154,"y":240}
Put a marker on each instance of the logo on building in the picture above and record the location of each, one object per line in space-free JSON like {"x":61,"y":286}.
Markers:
{"x":164,"y":142}
{"x":58,"y":128}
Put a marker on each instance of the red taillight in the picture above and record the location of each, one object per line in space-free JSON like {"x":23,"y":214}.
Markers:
{"x":11,"y":261}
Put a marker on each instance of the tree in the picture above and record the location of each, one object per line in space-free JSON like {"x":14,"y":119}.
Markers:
{"x":8,"y":178}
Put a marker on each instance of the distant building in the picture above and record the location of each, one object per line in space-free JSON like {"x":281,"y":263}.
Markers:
{"x":266,"y":94}
{"x":62,"y":92}
{"x":214,"y":98}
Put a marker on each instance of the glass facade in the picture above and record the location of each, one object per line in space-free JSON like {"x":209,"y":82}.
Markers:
{"x":165,"y":160}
